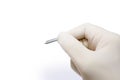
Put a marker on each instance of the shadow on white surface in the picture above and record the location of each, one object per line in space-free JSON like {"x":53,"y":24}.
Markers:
{"x":60,"y":73}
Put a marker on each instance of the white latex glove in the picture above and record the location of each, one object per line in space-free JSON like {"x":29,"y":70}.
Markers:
{"x":95,"y":52}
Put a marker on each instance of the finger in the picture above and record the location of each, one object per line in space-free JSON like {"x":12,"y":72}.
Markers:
{"x":75,"y":49}
{"x":74,"y":67}
{"x":84,"y":42}
{"x":90,"y":32}
{"x":86,"y":30}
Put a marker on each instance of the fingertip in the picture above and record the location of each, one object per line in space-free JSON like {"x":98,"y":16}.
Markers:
{"x":61,"y":36}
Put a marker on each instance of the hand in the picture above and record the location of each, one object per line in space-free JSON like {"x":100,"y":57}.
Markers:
{"x":94,"y":52}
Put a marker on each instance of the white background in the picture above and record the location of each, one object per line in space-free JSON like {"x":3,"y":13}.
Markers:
{"x":26,"y":24}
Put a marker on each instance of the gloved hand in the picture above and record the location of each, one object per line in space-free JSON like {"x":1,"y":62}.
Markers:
{"x":94,"y":52}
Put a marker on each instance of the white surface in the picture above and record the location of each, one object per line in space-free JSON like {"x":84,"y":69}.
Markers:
{"x":26,"y":24}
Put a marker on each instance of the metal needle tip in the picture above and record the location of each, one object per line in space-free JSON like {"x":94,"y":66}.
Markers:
{"x":51,"y":40}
